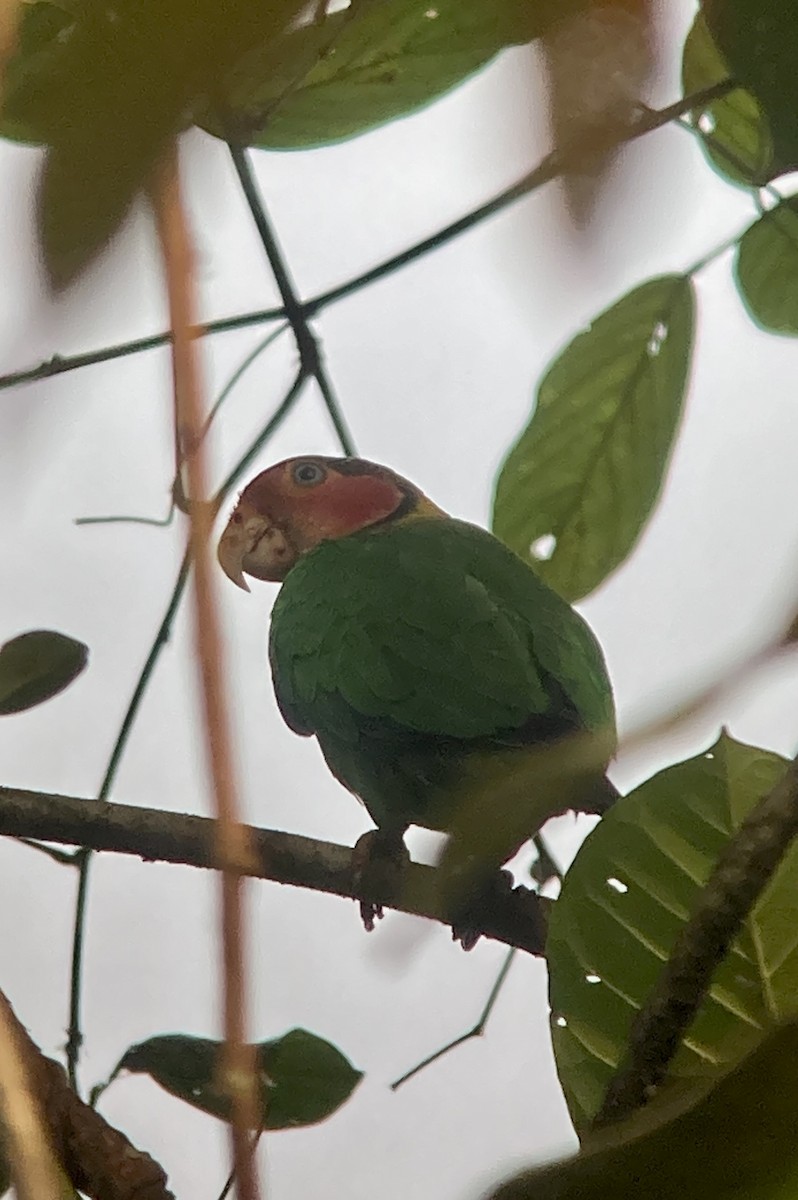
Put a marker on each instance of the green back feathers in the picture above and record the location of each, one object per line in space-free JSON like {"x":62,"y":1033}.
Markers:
{"x":437,"y":625}
{"x":407,"y":646}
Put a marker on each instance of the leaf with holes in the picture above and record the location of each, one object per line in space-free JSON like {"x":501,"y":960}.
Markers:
{"x":625,"y":899}
{"x":766,"y":269}
{"x":303,"y":1078}
{"x":36,"y":666}
{"x":577,"y":488}
{"x":733,"y":131}
{"x":736,"y":1141}
{"x":355,"y":69}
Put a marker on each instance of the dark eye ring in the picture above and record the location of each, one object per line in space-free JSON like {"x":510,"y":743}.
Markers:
{"x":308,"y":474}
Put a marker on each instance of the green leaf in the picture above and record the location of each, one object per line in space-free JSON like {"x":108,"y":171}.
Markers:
{"x":739,"y":1141}
{"x":733,"y":131}
{"x":31,"y":107}
{"x":303,"y":1078}
{"x":766,"y":269}
{"x":577,"y":488}
{"x":312,"y":1079}
{"x":131,"y":75}
{"x":353,"y":70}
{"x":759,"y":40}
{"x":36,"y":666}
{"x":626,"y":898}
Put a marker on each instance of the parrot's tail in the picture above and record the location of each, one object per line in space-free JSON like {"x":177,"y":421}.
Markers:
{"x":602,"y":797}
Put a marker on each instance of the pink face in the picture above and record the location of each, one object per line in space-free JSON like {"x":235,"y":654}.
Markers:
{"x":311,"y":495}
{"x":296,"y":504}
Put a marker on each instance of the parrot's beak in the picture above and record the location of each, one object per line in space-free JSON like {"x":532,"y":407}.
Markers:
{"x":252,"y":544}
{"x":231,"y":553}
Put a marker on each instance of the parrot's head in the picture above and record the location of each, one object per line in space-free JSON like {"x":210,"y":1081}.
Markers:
{"x":293,"y":506}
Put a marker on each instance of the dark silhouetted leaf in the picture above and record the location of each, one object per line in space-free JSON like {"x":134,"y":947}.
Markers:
{"x":31,"y":105}
{"x":766,"y":269}
{"x":36,"y":666}
{"x":759,"y":40}
{"x":577,"y":488}
{"x":303,"y":1080}
{"x":733,"y":131}
{"x":132,"y":74}
{"x":737,"y":1141}
{"x":334,"y":78}
{"x":627,"y":896}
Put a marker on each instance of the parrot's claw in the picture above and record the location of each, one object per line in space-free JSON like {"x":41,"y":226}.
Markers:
{"x":468,"y":916}
{"x":378,"y":862}
{"x":369,"y":914}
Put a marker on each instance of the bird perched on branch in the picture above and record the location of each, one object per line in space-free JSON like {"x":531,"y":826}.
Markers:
{"x":448,"y":686}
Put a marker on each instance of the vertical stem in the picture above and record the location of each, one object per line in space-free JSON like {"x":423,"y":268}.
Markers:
{"x":74,"y":1034}
{"x":310,"y":357}
{"x":233,"y":846}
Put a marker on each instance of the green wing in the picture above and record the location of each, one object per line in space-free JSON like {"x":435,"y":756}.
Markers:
{"x":432,"y":627}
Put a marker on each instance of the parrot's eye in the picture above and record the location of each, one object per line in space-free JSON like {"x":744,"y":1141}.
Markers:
{"x":307,"y":474}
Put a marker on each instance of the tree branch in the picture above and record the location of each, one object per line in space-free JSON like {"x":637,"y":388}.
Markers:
{"x":738,"y":879}
{"x":98,"y":1159}
{"x":518,"y":919}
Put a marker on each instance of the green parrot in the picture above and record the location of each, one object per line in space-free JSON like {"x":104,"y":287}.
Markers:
{"x":446,"y":683}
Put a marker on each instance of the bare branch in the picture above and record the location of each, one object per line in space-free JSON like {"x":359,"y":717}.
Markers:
{"x":476,"y":1030}
{"x":519,"y":919}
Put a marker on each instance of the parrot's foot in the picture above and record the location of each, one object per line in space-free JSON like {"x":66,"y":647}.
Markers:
{"x":378,"y":862}
{"x":482,"y":896}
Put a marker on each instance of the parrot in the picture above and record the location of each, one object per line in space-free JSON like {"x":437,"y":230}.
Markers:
{"x":445,"y":682}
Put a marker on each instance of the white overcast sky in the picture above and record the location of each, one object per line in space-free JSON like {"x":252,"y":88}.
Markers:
{"x":435,"y":368}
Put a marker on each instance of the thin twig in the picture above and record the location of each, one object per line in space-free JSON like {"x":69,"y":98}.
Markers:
{"x":516,"y":918}
{"x":63,"y":857}
{"x":239,"y":373}
{"x":60,"y":364}
{"x":475,"y":1032}
{"x":74,"y":1035}
{"x":74,"y":1032}
{"x":558,"y":162}
{"x":267,"y":432}
{"x":231,"y":1178}
{"x":310,"y":356}
{"x":234,"y":379}
{"x":233,"y":849}
{"x":739,"y":877}
{"x":74,"y":1040}
{"x":549,"y":169}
